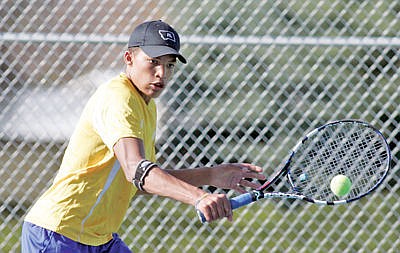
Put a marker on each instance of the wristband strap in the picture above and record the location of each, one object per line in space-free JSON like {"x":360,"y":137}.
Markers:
{"x":142,"y":170}
{"x":200,"y":199}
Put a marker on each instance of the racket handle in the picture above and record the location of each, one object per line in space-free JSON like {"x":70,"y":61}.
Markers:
{"x":236,"y":202}
{"x":241,"y":200}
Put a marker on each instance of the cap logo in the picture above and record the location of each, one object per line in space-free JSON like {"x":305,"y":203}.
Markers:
{"x":167,"y":35}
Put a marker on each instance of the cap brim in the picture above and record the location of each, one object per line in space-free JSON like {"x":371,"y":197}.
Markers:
{"x":157,"y":51}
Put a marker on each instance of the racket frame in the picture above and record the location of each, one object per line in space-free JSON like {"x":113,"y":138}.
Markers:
{"x":285,"y":171}
{"x":259,"y":193}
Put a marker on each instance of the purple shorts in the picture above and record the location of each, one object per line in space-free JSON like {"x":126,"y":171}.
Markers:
{"x":37,"y":239}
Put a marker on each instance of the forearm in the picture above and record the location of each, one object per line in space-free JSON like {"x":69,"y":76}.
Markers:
{"x":213,"y":206}
{"x":129,"y":152}
{"x":165,"y":184}
{"x":224,"y":176}
{"x":196,"y":177}
{"x":182,"y":185}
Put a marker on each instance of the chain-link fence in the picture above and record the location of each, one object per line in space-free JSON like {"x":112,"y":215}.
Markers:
{"x":260,"y":75}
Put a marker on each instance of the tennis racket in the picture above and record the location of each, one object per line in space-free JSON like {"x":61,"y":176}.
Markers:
{"x":346,"y":147}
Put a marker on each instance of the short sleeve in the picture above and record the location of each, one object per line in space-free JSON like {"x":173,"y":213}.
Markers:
{"x":118,"y":115}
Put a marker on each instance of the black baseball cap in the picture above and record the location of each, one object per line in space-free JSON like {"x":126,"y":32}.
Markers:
{"x":156,"y":38}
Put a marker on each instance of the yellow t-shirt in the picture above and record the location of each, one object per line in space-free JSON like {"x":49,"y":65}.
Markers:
{"x":90,"y":195}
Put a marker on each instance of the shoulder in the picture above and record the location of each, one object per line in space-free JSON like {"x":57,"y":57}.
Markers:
{"x":117,"y":89}
{"x":117,"y":85}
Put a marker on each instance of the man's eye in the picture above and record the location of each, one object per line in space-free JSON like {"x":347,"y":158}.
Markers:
{"x":171,"y":65}
{"x":153,"y":61}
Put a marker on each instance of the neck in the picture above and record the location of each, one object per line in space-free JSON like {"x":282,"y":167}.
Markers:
{"x":145,"y":98}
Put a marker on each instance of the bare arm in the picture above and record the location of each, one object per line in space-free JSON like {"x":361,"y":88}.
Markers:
{"x":130,"y":151}
{"x":226,"y":176}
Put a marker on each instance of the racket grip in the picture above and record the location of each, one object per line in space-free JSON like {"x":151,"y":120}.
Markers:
{"x":241,"y":200}
{"x":236,"y":202}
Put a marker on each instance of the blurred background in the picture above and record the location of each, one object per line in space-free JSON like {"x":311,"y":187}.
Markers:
{"x":260,"y":74}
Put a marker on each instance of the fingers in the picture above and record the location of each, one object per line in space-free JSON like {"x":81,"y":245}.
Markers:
{"x":243,"y":183}
{"x":227,"y":209}
{"x":249,"y":171}
{"x":250,"y":167}
{"x":254,"y":175}
{"x":250,"y":184}
{"x":215,"y":206}
{"x":237,"y":176}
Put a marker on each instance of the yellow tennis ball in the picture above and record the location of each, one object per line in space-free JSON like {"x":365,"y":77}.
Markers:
{"x":340,"y":185}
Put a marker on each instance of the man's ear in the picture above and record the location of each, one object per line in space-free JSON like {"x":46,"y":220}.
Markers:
{"x":128,"y":58}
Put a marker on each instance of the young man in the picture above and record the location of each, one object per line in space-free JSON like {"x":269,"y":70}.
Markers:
{"x":111,"y":158}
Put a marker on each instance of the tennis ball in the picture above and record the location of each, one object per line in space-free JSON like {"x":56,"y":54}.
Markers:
{"x":340,"y":185}
{"x":303,"y":177}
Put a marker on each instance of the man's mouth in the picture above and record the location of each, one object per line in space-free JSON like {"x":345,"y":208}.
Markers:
{"x":158,"y":85}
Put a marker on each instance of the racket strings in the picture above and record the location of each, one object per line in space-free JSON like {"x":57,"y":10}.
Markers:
{"x":354,"y":150}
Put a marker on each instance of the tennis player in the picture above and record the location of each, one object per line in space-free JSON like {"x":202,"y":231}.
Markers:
{"x":111,"y":158}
